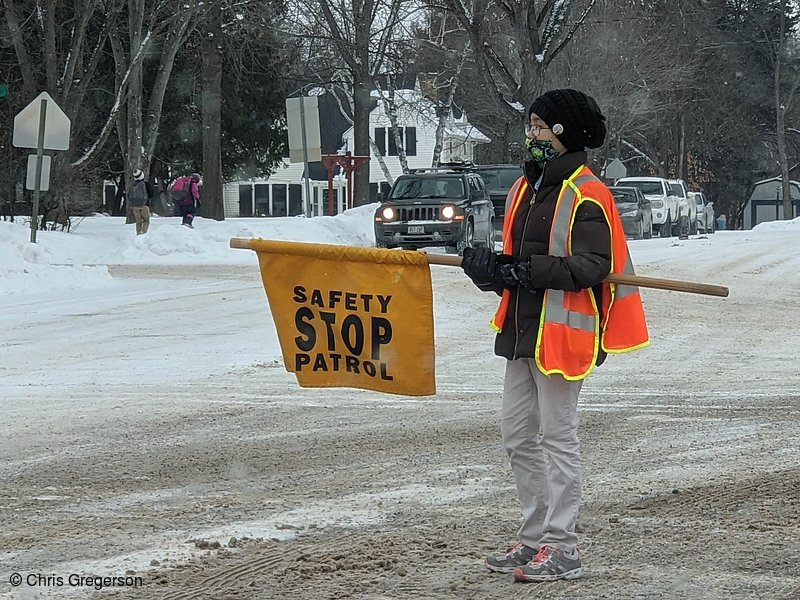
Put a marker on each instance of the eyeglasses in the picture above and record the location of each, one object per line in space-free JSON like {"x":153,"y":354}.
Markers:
{"x":533,"y":129}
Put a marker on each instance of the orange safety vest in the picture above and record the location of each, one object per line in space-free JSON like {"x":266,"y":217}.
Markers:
{"x":570,"y":330}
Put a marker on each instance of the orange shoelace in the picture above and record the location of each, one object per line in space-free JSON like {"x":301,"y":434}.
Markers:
{"x":542,"y":555}
{"x":514,"y":548}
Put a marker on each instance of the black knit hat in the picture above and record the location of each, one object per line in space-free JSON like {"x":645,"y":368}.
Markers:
{"x":582,"y":123}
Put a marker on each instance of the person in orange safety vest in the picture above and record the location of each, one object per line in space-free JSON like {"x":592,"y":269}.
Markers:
{"x":557,"y":320}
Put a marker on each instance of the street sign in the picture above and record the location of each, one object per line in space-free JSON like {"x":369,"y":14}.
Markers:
{"x":299,"y":128}
{"x":302,"y":120}
{"x":56,"y":125}
{"x":615,"y":170}
{"x":44,"y":180}
{"x":3,"y":90}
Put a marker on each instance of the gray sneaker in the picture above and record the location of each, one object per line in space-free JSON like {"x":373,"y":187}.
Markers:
{"x":517,"y":556}
{"x":551,"y":564}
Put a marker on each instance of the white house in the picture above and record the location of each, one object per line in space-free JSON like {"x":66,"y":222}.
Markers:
{"x":766,"y":202}
{"x":416,"y":114}
{"x":283,"y":193}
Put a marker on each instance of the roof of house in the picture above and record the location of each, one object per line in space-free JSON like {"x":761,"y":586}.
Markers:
{"x":334,"y":127}
{"x":771,"y":179}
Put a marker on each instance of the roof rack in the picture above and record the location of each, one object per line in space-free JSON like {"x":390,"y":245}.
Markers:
{"x":452,"y":166}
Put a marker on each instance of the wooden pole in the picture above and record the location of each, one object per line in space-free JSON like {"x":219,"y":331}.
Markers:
{"x":673,"y":285}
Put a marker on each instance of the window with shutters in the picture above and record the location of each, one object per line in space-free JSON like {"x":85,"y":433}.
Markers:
{"x":380,"y":140}
{"x":385,"y":141}
{"x":411,"y":141}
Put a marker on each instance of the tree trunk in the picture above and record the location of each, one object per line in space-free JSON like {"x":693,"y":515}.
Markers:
{"x":780,"y":120}
{"x":390,"y":108}
{"x":445,"y":113}
{"x":24,"y":59}
{"x":361,"y":110}
{"x":681,"y":168}
{"x":213,"y":205}
{"x":376,"y":153}
{"x":133,"y":158}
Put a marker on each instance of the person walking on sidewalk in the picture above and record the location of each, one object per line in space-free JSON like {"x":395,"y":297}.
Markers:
{"x":186,"y":195}
{"x":556,"y":321}
{"x":141,"y":198}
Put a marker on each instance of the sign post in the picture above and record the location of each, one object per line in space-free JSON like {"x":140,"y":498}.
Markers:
{"x":302,"y":121}
{"x":44,"y":180}
{"x":41,"y":125}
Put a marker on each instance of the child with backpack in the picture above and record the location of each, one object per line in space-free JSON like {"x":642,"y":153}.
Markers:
{"x":186,"y":195}
{"x":140,"y":197}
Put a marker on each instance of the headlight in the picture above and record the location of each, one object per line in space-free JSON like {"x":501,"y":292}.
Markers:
{"x":448,"y":212}
{"x":388,"y":214}
{"x":657,"y":204}
{"x":630,"y":213}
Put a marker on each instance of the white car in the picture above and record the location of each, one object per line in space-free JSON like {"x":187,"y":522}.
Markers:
{"x":663,"y":203}
{"x":705,"y":213}
{"x":687,"y":210}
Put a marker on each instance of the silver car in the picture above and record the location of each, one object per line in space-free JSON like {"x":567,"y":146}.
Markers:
{"x":634,"y":209}
{"x":705,"y":213}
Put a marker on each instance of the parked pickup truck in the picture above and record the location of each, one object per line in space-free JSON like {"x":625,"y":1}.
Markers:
{"x":663,"y":202}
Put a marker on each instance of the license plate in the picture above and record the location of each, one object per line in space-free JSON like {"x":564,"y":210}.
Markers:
{"x":416,"y":229}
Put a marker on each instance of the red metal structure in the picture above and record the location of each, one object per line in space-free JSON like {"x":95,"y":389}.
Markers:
{"x":349,"y":163}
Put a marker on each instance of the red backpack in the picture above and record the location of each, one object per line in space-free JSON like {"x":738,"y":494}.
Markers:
{"x":181,"y":190}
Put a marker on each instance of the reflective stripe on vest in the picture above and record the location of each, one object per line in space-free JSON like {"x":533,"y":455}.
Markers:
{"x":555,"y":308}
{"x":623,"y":290}
{"x":569,"y":325}
{"x":513,"y":201}
{"x":558,"y":313}
{"x":515,"y":195}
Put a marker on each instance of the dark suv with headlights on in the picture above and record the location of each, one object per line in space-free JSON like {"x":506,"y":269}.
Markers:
{"x":436,"y":207}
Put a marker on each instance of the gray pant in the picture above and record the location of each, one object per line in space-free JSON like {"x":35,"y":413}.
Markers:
{"x":539,"y":423}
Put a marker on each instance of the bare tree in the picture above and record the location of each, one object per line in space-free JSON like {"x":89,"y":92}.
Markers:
{"x":785,"y":86}
{"x":213,"y":205}
{"x":516,"y":41}
{"x":66,"y":62}
{"x":350,"y":42}
{"x":138,"y":105}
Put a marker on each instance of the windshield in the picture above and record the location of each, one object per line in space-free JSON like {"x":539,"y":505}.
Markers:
{"x":676,"y":189}
{"x":429,"y":187}
{"x":624,"y":197}
{"x":646,"y":187}
{"x":499,"y":179}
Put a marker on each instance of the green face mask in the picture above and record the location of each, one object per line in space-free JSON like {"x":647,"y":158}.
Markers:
{"x":541,"y":151}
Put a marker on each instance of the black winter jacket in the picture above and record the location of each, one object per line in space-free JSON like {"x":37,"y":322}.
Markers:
{"x":589,"y":264}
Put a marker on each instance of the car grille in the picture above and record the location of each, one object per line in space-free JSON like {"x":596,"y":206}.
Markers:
{"x":418,"y":213}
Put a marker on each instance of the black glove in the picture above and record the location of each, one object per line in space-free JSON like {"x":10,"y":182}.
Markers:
{"x":515,"y":273}
{"x":480,"y":265}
